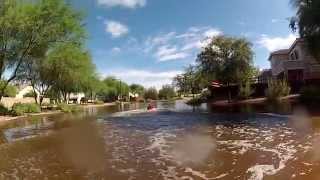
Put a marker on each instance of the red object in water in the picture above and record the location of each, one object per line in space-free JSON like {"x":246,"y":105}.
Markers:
{"x":151,"y":108}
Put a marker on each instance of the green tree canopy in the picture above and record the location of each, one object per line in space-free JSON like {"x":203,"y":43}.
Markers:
{"x":10,"y":90}
{"x":308,"y":21}
{"x":71,"y":68}
{"x":29,"y":28}
{"x":137,"y":88}
{"x":151,"y":93}
{"x":227,"y":59}
{"x":167,"y":92}
{"x":113,"y":88}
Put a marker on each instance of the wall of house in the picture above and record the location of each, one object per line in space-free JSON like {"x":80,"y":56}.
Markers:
{"x":311,"y":65}
{"x":276,"y":61}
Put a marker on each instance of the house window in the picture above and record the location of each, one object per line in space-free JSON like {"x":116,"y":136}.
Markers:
{"x":296,"y":54}
{"x":292,"y":56}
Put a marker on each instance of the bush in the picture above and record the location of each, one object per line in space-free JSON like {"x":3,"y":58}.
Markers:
{"x":68,"y":108}
{"x":98,"y":102}
{"x":3,"y":110}
{"x":310,"y":95}
{"x":19,"y":109}
{"x":277,"y":89}
{"x":245,"y":91}
{"x":10,"y":90}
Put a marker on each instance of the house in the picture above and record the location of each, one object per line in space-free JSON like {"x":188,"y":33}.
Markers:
{"x":76,"y":97}
{"x":133,"y":96}
{"x":295,"y":64}
{"x":264,"y":76}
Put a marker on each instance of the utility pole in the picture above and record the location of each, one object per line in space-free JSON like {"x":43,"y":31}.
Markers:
{"x":120,"y":90}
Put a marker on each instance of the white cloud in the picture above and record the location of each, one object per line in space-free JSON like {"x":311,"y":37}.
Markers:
{"x":280,"y":20}
{"x":123,"y":3}
{"x":276,"y":43}
{"x":116,"y":50}
{"x":144,"y":77}
{"x":116,"y":29}
{"x":275,"y":20}
{"x":174,"y":56}
{"x":174,"y":46}
{"x":165,"y":53}
{"x":212,"y":32}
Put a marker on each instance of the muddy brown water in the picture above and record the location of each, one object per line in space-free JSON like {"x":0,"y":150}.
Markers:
{"x":176,"y":142}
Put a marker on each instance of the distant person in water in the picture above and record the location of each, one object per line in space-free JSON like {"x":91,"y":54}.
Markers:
{"x":150,"y":107}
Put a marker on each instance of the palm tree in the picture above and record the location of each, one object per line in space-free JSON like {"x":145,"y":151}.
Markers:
{"x":307,"y":21}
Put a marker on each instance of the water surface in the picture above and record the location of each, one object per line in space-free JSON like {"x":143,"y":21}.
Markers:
{"x":177,"y":142}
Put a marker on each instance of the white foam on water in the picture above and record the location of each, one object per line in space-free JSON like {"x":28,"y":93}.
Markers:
{"x":196,"y":173}
{"x":221,"y":176}
{"x":127,"y":171}
{"x":258,"y":171}
{"x":128,"y":113}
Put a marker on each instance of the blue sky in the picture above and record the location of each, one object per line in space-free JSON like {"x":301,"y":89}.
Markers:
{"x":150,"y":41}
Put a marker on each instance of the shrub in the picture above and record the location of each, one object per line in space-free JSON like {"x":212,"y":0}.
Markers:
{"x":98,"y":102}
{"x":245,"y":91}
{"x":3,"y":110}
{"x":68,"y":108}
{"x":19,"y":109}
{"x":310,"y":95}
{"x":10,"y":90}
{"x":277,"y":89}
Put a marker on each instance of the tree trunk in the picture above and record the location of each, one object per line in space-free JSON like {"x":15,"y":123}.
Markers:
{"x":40,"y":100}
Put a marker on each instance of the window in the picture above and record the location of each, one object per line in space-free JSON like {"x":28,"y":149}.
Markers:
{"x":294,"y":55}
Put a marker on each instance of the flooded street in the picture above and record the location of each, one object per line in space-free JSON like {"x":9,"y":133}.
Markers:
{"x":176,"y":142}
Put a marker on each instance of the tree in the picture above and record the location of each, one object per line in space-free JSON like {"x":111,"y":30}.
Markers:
{"x":10,"y":90}
{"x":179,"y":82}
{"x":151,"y":93}
{"x":41,"y":75}
{"x":191,"y":81}
{"x":71,"y":68}
{"x":113,"y":89}
{"x":137,"y":89}
{"x":29,"y":28}
{"x":167,"y":92}
{"x":92,"y":86}
{"x":307,"y":20}
{"x":228,"y":60}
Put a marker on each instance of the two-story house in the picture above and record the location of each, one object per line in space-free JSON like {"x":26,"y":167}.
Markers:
{"x":295,"y":64}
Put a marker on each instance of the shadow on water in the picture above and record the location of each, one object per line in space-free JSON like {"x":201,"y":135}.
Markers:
{"x":284,"y":108}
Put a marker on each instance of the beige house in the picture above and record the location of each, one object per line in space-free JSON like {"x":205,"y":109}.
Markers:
{"x":295,"y":63}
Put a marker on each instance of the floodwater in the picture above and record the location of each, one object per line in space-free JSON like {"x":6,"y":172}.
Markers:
{"x":176,"y":142}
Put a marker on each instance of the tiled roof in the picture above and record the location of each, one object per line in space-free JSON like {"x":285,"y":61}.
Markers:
{"x":281,"y":51}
